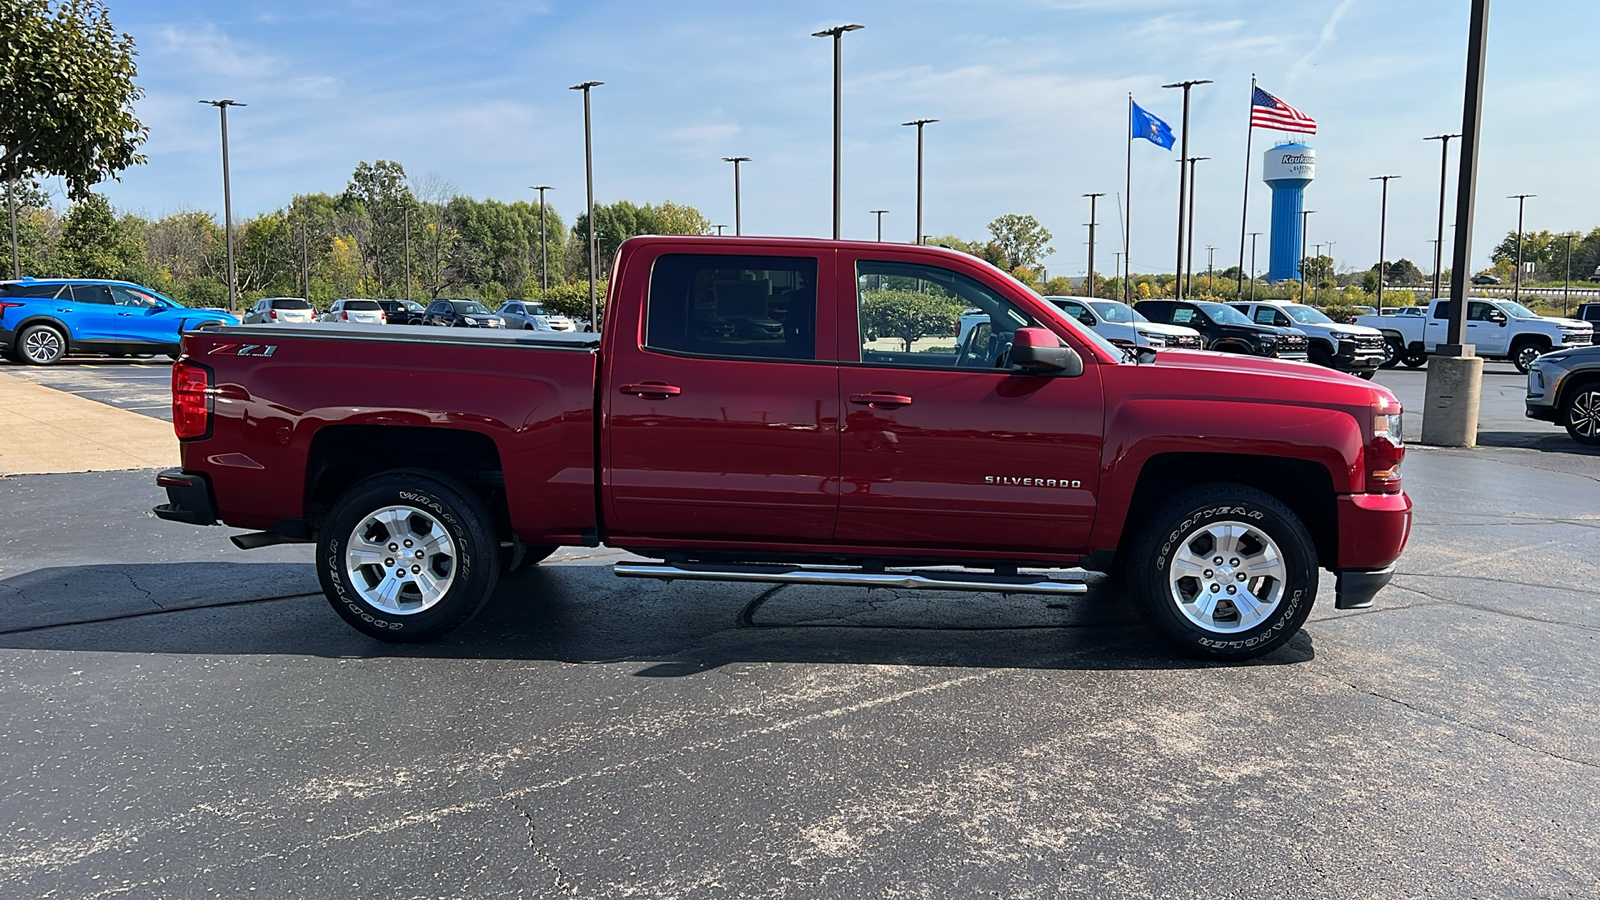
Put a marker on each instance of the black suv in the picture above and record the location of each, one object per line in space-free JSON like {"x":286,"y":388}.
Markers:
{"x":1226,"y":329}
{"x":461,"y":314}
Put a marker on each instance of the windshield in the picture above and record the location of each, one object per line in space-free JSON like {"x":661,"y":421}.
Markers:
{"x":1224,"y":315}
{"x":1116,"y":313}
{"x":1518,"y":310}
{"x":471,"y":308}
{"x":1307,"y":315}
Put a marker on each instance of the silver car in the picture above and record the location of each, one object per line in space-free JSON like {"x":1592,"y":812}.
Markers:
{"x":280,"y":310}
{"x":355,"y":312}
{"x":526,"y":314}
{"x":1564,"y":388}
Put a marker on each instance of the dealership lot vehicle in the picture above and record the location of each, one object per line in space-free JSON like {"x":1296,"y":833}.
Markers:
{"x":1564,"y":388}
{"x":531,"y":316}
{"x":43,"y":320}
{"x":1227,"y":330}
{"x":1356,"y":349}
{"x":1499,"y":329}
{"x":281,"y":311}
{"x":401,"y":312}
{"x":724,"y":457}
{"x":461,"y":314}
{"x":355,"y":312}
{"x":1120,"y":323}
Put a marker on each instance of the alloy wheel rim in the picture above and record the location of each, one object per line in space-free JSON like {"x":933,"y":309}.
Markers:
{"x":43,"y":345}
{"x":1227,"y":577}
{"x":1585,"y":415}
{"x":401,"y":560}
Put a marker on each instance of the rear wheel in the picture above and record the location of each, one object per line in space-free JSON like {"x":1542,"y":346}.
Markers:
{"x":407,"y":557}
{"x":1224,"y":571}
{"x":1582,"y":415}
{"x":42,"y":345}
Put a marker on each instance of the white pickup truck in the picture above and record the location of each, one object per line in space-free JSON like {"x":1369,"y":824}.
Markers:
{"x":1499,"y":329}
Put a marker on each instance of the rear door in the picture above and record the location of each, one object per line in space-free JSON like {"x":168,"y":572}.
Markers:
{"x":945,"y":448}
{"x":716,"y":430}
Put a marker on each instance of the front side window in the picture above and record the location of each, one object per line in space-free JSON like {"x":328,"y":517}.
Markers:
{"x":736,"y":306}
{"x":913,"y":314}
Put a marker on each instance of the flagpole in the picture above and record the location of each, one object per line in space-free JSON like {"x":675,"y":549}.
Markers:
{"x":1127,"y":218}
{"x":1249,"y":148}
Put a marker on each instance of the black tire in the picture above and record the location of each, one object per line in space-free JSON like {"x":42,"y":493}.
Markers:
{"x":1523,"y":354}
{"x":1393,"y":349}
{"x":1581,"y":414}
{"x":1179,"y":526}
{"x":42,"y":345}
{"x":470,"y":560}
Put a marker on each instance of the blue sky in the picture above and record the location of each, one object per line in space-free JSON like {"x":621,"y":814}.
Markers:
{"x":1031,"y":96}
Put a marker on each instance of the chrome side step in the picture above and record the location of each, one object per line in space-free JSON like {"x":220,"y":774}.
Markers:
{"x":924,"y":580}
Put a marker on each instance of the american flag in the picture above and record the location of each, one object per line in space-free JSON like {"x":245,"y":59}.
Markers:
{"x":1267,"y":111}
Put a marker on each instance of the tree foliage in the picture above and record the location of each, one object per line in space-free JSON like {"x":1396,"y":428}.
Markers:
{"x":66,"y":94}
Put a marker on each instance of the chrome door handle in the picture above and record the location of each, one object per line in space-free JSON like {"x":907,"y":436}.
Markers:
{"x":881,"y":400}
{"x":651,"y":390}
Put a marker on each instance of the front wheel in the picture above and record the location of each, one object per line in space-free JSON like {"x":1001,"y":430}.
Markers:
{"x":1225,"y":572}
{"x":1582,"y":416}
{"x":407,"y":557}
{"x":1524,"y":356}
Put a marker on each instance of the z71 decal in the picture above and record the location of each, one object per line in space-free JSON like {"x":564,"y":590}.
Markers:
{"x":260,"y":350}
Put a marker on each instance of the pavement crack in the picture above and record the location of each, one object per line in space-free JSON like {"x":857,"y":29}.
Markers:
{"x":563,"y":882}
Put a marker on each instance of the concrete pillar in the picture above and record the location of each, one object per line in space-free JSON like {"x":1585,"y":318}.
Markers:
{"x":1450,"y":407}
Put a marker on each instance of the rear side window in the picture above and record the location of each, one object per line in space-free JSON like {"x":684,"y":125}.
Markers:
{"x":290,"y":303}
{"x":761,"y":307}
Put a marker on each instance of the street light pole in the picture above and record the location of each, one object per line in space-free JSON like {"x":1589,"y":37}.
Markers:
{"x":1516,"y":279}
{"x":1183,"y":172}
{"x":837,"y":33}
{"x":227,"y":201}
{"x":1253,"y":236}
{"x":1092,"y":224}
{"x":544,"y":247}
{"x":879,"y":213}
{"x":588,"y":179}
{"x":1444,"y":173}
{"x":738,"y":220}
{"x":1383,"y":230}
{"x":1303,"y":214}
{"x":919,"y":123}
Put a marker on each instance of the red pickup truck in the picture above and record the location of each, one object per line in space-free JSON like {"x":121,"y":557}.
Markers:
{"x":796,"y":411}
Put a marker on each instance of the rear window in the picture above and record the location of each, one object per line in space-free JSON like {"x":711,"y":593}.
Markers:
{"x":733,"y":306}
{"x":360,"y":304}
{"x":290,"y":303}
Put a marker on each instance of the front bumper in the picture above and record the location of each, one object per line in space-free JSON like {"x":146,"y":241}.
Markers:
{"x":188,"y":498}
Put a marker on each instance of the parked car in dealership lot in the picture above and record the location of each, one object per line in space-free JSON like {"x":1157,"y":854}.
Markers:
{"x":1226,"y":329}
{"x":461,"y":314}
{"x":1120,"y":323}
{"x":401,"y":312}
{"x":281,"y":311}
{"x":530,"y":316}
{"x":1499,"y":329}
{"x":355,"y":312}
{"x":1356,"y":349}
{"x":42,"y":320}
{"x":1564,"y":388}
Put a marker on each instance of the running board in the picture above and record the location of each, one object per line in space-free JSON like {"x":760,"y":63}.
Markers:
{"x":924,"y":580}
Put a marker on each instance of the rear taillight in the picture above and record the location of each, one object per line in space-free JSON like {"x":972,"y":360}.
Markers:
{"x":191,"y":399}
{"x":1387,"y":448}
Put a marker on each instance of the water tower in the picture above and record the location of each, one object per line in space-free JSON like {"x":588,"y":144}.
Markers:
{"x":1287,"y":170}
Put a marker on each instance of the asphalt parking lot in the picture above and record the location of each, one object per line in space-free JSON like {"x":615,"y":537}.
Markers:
{"x":184,"y":719}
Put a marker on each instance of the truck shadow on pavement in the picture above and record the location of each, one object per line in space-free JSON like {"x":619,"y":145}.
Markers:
{"x":582,"y":614}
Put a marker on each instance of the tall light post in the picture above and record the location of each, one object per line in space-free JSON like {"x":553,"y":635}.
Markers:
{"x":738,"y":219}
{"x":1253,"y":236}
{"x":1516,"y":278}
{"x":1444,"y":174}
{"x":544,"y":247}
{"x":1183,"y":173}
{"x":227,"y":201}
{"x":1303,"y":220}
{"x":1189,"y":241}
{"x":1092,"y":225}
{"x":588,"y":179}
{"x":919,"y":123}
{"x":1383,"y":230}
{"x":879,"y":213}
{"x":837,"y":33}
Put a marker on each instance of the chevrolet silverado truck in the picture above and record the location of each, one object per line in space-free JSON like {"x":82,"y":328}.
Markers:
{"x":1499,"y":329}
{"x":859,"y":444}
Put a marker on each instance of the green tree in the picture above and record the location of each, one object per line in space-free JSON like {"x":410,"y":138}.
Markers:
{"x":1022,"y":240}
{"x":66,"y":94}
{"x":95,"y":245}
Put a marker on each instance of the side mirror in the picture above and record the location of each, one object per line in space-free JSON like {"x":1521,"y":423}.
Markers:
{"x":1039,"y":351}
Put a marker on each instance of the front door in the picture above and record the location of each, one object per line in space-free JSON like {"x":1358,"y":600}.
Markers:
{"x":945,"y":447}
{"x":722,"y":415}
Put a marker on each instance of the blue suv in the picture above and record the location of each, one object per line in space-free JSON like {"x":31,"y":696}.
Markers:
{"x":43,"y":319}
